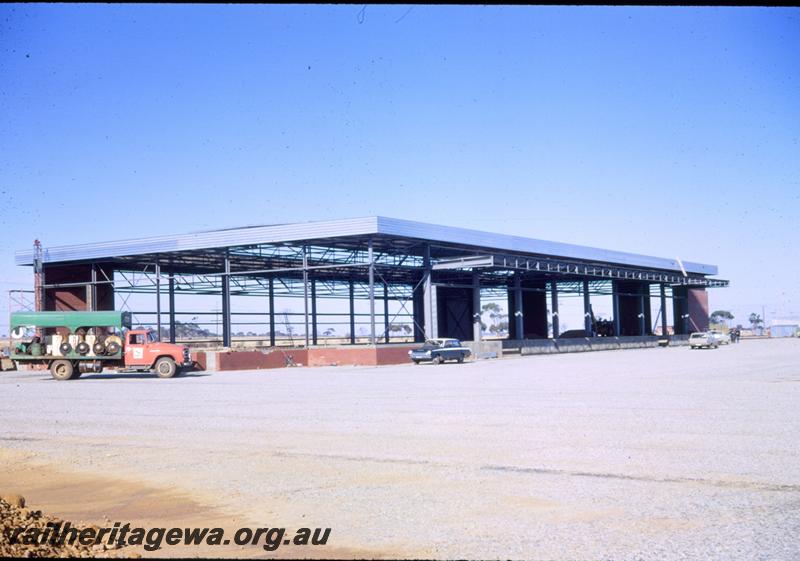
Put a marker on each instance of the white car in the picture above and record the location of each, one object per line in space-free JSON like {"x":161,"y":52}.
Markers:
{"x":703,"y":339}
{"x":722,"y":338}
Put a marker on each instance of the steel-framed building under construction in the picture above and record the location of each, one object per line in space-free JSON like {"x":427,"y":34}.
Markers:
{"x":436,"y":273}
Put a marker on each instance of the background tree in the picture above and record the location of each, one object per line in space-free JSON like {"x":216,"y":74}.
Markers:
{"x":755,"y":321}
{"x":720,"y":316}
{"x":495,"y":314}
{"x":399,"y":328}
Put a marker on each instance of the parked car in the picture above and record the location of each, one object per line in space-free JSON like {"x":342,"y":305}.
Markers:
{"x":722,"y":338}
{"x":703,"y":339}
{"x":440,"y":350}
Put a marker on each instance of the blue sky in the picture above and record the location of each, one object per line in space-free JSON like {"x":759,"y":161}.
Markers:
{"x":663,"y":131}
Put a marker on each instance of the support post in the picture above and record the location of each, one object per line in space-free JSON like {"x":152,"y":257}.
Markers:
{"x":642,"y":322}
{"x":385,"y":312}
{"x":429,"y":296}
{"x":91,"y":291}
{"x":226,"y":303}
{"x":158,"y":298}
{"x":271,"y":312}
{"x":314,"y":311}
{"x":172,"y":334}
{"x":352,"y":314}
{"x":371,"y":258}
{"x":587,"y":310}
{"x":519,"y":325}
{"x":663,"y":310}
{"x":554,"y":304}
{"x":476,"y":307}
{"x":305,"y":291}
{"x":615,"y":307}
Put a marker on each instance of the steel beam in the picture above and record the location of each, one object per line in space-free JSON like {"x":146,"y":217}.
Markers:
{"x":470,"y":262}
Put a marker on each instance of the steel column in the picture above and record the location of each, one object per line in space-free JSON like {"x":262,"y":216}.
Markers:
{"x":385,"y":312}
{"x":476,"y":307}
{"x":226,"y":303}
{"x":371,"y":258}
{"x":305,"y":291}
{"x":587,"y":310}
{"x":352,"y":314}
{"x":615,"y":307}
{"x":271,"y":312}
{"x":429,"y":296}
{"x":519,"y":325}
{"x":91,"y":290}
{"x":158,"y":299}
{"x":642,"y":323}
{"x":314,"y":311}
{"x":663,"y":310}
{"x":171,"y":287}
{"x":554,"y":304}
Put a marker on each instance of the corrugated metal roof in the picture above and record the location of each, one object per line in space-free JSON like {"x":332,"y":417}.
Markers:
{"x":204,"y":240}
{"x":374,"y":225}
{"x":407,"y":228}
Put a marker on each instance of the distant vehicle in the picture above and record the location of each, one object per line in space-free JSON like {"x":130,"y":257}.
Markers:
{"x":703,"y":339}
{"x":722,"y":338}
{"x":440,"y":350}
{"x":74,"y":343}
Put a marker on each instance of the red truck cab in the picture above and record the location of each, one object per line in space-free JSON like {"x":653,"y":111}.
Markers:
{"x":143,"y":350}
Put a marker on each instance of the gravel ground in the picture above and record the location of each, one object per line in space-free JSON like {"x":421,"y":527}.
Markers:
{"x":641,"y":454}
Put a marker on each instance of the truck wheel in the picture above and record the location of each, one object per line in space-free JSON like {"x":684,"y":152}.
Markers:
{"x":439,"y":359}
{"x":461,"y":358}
{"x":62,"y":370}
{"x":166,"y":367}
{"x":416,"y":362}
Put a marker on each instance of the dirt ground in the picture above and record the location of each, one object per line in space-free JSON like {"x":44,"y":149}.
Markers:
{"x":653,"y":454}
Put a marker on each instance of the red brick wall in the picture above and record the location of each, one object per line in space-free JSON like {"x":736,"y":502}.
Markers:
{"x":394,"y":355}
{"x":327,"y":356}
{"x":256,"y":360}
{"x":320,"y":356}
{"x":200,"y":358}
